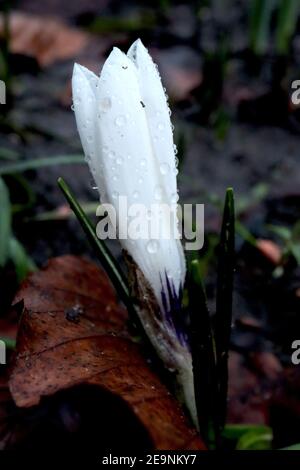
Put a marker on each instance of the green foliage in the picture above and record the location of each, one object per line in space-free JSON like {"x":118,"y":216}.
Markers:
{"x":259,"y":28}
{"x":261,"y":12}
{"x":249,"y":436}
{"x":5,"y":223}
{"x":210,"y":343}
{"x":292,"y":447}
{"x":134,"y":24}
{"x":287,"y":21}
{"x":223,"y":317}
{"x":36,"y":163}
{"x":22,"y":262}
{"x":203,"y":356}
{"x":290,"y":239}
{"x":103,"y":253}
{"x":10,"y":248}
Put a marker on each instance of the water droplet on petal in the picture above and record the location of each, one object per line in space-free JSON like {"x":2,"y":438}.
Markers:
{"x":158,"y":193}
{"x":119,"y":160}
{"x":135,"y":195}
{"x":174,"y":197}
{"x":111,"y":154}
{"x":160,"y":126}
{"x":152,"y":246}
{"x":115,"y":178}
{"x":140,"y":180}
{"x":105,"y":149}
{"x":129,"y":156}
{"x":143,"y":162}
{"x":90,"y":138}
{"x":164,"y":168}
{"x":105,"y":103}
{"x":115,"y":194}
{"x":72,"y":107}
{"x":120,"y":121}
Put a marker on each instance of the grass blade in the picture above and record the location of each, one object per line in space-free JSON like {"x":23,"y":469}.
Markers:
{"x":22,"y":262}
{"x":223,"y":318}
{"x":36,"y":163}
{"x":5,"y":222}
{"x":203,"y":356}
{"x":260,"y":21}
{"x":287,"y":22}
{"x":9,"y":343}
{"x":103,"y":253}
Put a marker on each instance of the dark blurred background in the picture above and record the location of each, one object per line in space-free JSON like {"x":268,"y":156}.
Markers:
{"x":228,"y":66}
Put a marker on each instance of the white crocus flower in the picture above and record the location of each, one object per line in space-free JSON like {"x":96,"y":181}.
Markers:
{"x":124,"y":125}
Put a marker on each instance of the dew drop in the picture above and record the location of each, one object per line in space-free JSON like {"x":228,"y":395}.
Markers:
{"x":111,"y":155}
{"x":169,"y":274}
{"x":160,"y":126}
{"x":72,"y":107}
{"x":105,"y":149}
{"x":174,"y":197}
{"x":135,"y":195}
{"x":120,"y":121}
{"x":158,"y":193}
{"x":152,"y":246}
{"x":143,"y":162}
{"x":115,"y":194}
{"x":90,"y":138}
{"x":129,"y":156}
{"x":115,"y":178}
{"x":119,"y":160}
{"x":140,"y":180}
{"x":105,"y":103}
{"x":164,"y":168}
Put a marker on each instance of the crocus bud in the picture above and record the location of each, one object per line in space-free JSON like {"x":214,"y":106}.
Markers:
{"x":124,"y":125}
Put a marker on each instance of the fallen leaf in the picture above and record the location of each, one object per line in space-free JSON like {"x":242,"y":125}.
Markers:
{"x":72,"y":332}
{"x":5,"y":400}
{"x":46,"y":38}
{"x":270,"y":250}
{"x":248,"y":401}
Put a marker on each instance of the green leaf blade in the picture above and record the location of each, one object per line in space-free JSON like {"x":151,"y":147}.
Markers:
{"x":5,"y":222}
{"x":223,"y":318}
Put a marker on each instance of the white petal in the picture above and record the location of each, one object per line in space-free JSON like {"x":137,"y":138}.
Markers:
{"x":129,"y":164}
{"x":158,"y":116}
{"x":84,"y":88}
{"x":160,"y":127}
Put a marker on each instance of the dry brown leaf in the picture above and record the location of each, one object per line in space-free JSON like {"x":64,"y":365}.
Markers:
{"x":270,"y":250}
{"x":45,"y":38}
{"x":72,"y":332}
